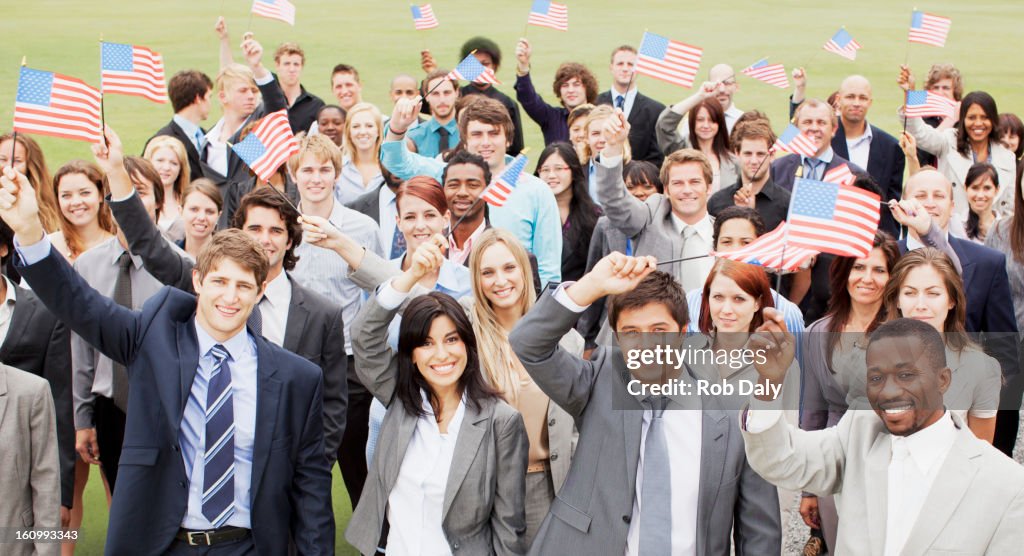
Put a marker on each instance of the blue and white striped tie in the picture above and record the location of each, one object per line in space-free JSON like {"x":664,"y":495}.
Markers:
{"x":219,"y":456}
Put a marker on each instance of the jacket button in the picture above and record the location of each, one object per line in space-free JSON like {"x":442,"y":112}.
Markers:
{"x":554,"y":457}
{"x":455,"y":545}
{"x":181,"y":484}
{"x":175,"y":447}
{"x":551,"y":423}
{"x":626,"y":518}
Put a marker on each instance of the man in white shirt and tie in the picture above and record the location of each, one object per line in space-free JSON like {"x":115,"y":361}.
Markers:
{"x":908,"y":477}
{"x":641,"y":111}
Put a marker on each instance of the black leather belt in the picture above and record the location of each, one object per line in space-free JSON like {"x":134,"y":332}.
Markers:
{"x":212,"y":536}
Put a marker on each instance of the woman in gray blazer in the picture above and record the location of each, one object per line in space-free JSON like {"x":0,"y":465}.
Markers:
{"x":450,"y":465}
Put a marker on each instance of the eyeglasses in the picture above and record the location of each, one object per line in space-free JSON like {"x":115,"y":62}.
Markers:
{"x":555,"y":169}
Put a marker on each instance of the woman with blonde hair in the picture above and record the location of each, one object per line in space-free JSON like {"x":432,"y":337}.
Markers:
{"x":361,"y":169}
{"x":30,"y":161}
{"x":168,"y":156}
{"x":593,"y":143}
{"x":85,"y":219}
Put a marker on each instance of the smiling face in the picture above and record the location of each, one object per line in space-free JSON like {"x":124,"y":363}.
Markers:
{"x":867,"y":278}
{"x":403,"y":86}
{"x":332,"y":124}
{"x":266,"y":226}
{"x":923,"y":296}
{"x":488,"y":141}
{"x":977,"y":124}
{"x":727,"y":76}
{"x":903,"y":385}
{"x":735,"y":233}
{"x":363,"y":131}
{"x":732,"y":309}
{"x":595,"y":135}
{"x":167,"y":165}
{"x":501,"y":277}
{"x":817,"y":123}
{"x":578,"y":131}
{"x":572,"y":93}
{"x":442,"y":358}
{"x":1010,"y":140}
{"x":346,"y":89}
{"x":556,"y":173}
{"x":200,"y":215}
{"x":314,"y":179}
{"x":464,"y":183}
{"x":225,"y":298}
{"x":854,"y":99}
{"x":418,"y":221}
{"x":705,"y":127}
{"x":79,"y":200}
{"x":934,"y":192}
{"x":641,"y":189}
{"x":687,"y":191}
{"x":981,"y":193}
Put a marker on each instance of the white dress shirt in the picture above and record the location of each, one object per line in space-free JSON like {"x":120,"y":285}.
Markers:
{"x":627,"y":102}
{"x":387,"y":213}
{"x":859,"y":149}
{"x":693,"y":273}
{"x":416,"y":503}
{"x":217,"y":150}
{"x":683,"y":435}
{"x":274,"y":308}
{"x":7,"y":308}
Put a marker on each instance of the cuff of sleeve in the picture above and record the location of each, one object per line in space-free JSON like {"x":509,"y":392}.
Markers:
{"x":610,"y":161}
{"x":122,"y":199}
{"x":762,"y":415}
{"x":265,"y":79}
{"x":33,"y":253}
{"x":566,"y":301}
{"x":389,"y":298}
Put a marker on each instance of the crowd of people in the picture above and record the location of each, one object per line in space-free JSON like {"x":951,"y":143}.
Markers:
{"x":216,"y":343}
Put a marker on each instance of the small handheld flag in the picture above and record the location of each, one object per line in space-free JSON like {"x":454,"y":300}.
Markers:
{"x":772,"y":74}
{"x":770,"y":251}
{"x":922,"y":104}
{"x":840,"y":174}
{"x":470,"y":69}
{"x":132,"y":70}
{"x":668,"y":60}
{"x":281,"y":10}
{"x":269,"y":145}
{"x":929,"y":29}
{"x":498,"y":192}
{"x":49,"y":103}
{"x":553,"y":15}
{"x":793,"y":141}
{"x":423,"y":17}
{"x":832,"y":218}
{"x":843,"y":44}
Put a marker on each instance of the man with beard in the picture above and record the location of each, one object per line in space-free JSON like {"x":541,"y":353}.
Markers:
{"x":441,"y":132}
{"x":752,"y":142}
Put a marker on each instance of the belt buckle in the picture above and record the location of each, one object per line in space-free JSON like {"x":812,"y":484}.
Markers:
{"x":203,"y":536}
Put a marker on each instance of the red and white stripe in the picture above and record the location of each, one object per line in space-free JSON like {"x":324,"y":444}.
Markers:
{"x":840,"y":174}
{"x":426,"y":20}
{"x":145,"y":80}
{"x":771,"y":251}
{"x":851,"y":230}
{"x":801,"y":144}
{"x":934,"y":105}
{"x":497,"y":193}
{"x":275,"y":133}
{"x":557,"y":17}
{"x":679,"y":66}
{"x":73,"y":113}
{"x":772,"y":74}
{"x":281,"y":10}
{"x":933,"y":31}
{"x":849,"y":51}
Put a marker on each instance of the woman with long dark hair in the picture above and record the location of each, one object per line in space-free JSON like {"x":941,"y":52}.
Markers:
{"x":710,"y":135}
{"x":450,"y":465}
{"x":982,"y":187}
{"x":560,"y":168}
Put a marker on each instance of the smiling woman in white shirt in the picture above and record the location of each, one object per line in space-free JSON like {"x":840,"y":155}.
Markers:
{"x":449,"y":470}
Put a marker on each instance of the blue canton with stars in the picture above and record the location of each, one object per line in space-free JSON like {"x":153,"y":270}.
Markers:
{"x":34,"y":86}
{"x":815,"y":199}
{"x":116,"y":57}
{"x":655,"y":46}
{"x":250,"y":149}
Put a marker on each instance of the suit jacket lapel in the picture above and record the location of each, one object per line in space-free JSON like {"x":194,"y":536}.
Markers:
{"x":268,"y":394}
{"x":392,"y":462}
{"x":296,"y":322}
{"x":3,"y":394}
{"x":714,"y":444}
{"x":839,"y":142}
{"x":471,"y":433}
{"x":876,"y":482}
{"x":24,"y":310}
{"x":188,"y":359}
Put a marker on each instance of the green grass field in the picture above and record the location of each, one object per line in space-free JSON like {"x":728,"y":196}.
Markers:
{"x":378,"y":38}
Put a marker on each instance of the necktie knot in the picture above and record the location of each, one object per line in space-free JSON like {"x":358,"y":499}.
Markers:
{"x":620,"y":101}
{"x":688,"y":232}
{"x":219,"y":353}
{"x":657,"y":405}
{"x":124,"y":262}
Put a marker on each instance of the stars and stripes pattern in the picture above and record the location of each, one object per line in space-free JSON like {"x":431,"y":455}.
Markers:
{"x":132,"y":70}
{"x":668,"y":60}
{"x":843,"y":44}
{"x":553,"y":15}
{"x":470,"y":69}
{"x":423,"y":17}
{"x":793,"y":141}
{"x":929,"y":29}
{"x":501,"y":188}
{"x":840,"y":174}
{"x":770,"y":251}
{"x":49,"y":103}
{"x":923,"y":104}
{"x":281,"y":10}
{"x":219,"y":449}
{"x":269,"y":145}
{"x":832,"y":218}
{"x":772,"y":74}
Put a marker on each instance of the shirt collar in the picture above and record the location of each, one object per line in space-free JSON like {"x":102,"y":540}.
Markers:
{"x":12,"y":292}
{"x":214,"y":133}
{"x":705,"y":227}
{"x":928,"y":447}
{"x":825,"y":157}
{"x":455,"y":423}
{"x":770,"y":189}
{"x":866,"y":137}
{"x":186,"y":125}
{"x":118,"y":249}
{"x":630,"y":94}
{"x":433,"y":125}
{"x":235,"y":345}
{"x":914,"y":243}
{"x":277,"y":287}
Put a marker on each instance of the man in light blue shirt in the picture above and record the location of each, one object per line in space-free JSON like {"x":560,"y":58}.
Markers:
{"x":441,"y":132}
{"x":485,"y":127}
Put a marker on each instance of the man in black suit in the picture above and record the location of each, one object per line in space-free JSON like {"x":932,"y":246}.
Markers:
{"x":863,"y":144}
{"x":190,"y":92}
{"x":33,"y":340}
{"x":225,"y":446}
{"x":987,"y":288}
{"x":371,"y":203}
{"x":817,"y":120}
{"x":641,"y":111}
{"x":289,"y":315}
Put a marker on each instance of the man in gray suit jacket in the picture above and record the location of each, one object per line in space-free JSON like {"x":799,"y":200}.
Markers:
{"x":701,"y":497}
{"x":909,"y":478}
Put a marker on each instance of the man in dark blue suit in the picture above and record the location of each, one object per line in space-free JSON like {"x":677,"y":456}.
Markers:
{"x":223,"y":448}
{"x":987,"y":288}
{"x":817,"y":120}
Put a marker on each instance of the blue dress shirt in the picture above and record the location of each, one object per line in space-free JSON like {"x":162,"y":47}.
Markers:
{"x":428,"y":141}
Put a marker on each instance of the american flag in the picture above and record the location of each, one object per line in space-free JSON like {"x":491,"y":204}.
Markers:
{"x":922,"y":104}
{"x":771,"y":251}
{"x":843,"y":44}
{"x":282,"y":10}
{"x":792,"y":141}
{"x":132,"y":70}
{"x":269,"y":145}
{"x":668,"y":60}
{"x":840,"y":174}
{"x":772,"y":74}
{"x":53,"y":104}
{"x":832,"y":218}
{"x":470,"y":69}
{"x":929,"y":29}
{"x":498,"y":192}
{"x":549,"y":14}
{"x":423,"y":17}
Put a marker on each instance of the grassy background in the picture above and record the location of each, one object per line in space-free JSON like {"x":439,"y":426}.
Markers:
{"x":377,"y":37}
